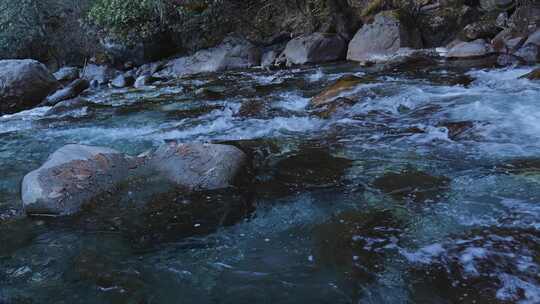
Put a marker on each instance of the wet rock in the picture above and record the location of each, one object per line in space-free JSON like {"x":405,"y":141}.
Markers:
{"x":122,"y":81}
{"x":341,"y":86}
{"x":456,"y":129}
{"x":199,"y":166}
{"x":410,"y":60}
{"x":314,"y":48}
{"x":529,"y":53}
{"x":71,"y":91}
{"x":413,"y":185}
{"x":257,"y":150}
{"x":23,"y":84}
{"x":68,"y":105}
{"x":389,"y":32}
{"x":356,"y":242}
{"x":254,"y":108}
{"x":232,"y":53}
{"x":521,"y":166}
{"x":143,"y":81}
{"x":194,"y":112}
{"x":66,"y":74}
{"x":507,"y":41}
{"x":476,"y":48}
{"x":534,"y":75}
{"x":211,"y":92}
{"x":72,"y":176}
{"x":312,"y":167}
{"x":483,"y":266}
{"x":326,"y":110}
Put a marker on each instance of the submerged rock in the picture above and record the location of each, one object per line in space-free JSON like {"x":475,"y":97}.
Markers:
{"x":389,"y":32}
{"x":411,"y":184}
{"x":314,"y":48}
{"x":199,"y":166}
{"x":457,"y":128}
{"x":342,"y":85}
{"x":24,"y":84}
{"x":521,"y":166}
{"x":71,"y":91}
{"x":71,"y":177}
{"x":312,"y":167}
{"x":356,"y":242}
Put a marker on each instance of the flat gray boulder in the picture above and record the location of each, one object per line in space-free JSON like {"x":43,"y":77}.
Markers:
{"x":199,"y":166}
{"x":382,"y":38}
{"x":232,"y":53}
{"x":71,"y":177}
{"x":24,"y":84}
{"x":314,"y":48}
{"x":473,"y":49}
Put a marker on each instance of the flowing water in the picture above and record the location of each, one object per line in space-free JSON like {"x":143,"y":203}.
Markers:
{"x":423,"y":191}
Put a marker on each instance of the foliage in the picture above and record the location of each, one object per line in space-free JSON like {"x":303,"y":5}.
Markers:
{"x":40,"y":29}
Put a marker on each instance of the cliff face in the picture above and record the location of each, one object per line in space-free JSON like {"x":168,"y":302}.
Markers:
{"x":173,"y":28}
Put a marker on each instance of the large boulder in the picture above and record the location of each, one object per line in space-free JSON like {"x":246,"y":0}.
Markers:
{"x":233,"y":53}
{"x":440,"y":25}
{"x":529,"y":53}
{"x":473,"y":49}
{"x":23,"y":84}
{"x":199,"y":166}
{"x":71,"y":177}
{"x":72,"y":90}
{"x":389,"y":32}
{"x":314,"y":48}
{"x":534,"y":38}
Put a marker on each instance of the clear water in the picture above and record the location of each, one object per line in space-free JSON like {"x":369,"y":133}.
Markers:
{"x":343,"y":240}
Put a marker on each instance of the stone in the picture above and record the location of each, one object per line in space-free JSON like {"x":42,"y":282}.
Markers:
{"x":71,"y":177}
{"x":483,"y":29}
{"x":342,"y":85}
{"x":68,"y":105}
{"x":508,"y":60}
{"x":122,"y":81}
{"x":100,"y":74}
{"x":143,"y":81}
{"x":534,"y":38}
{"x":71,"y":91}
{"x":199,"y":166}
{"x":24,"y":84}
{"x":473,"y":49}
{"x":441,"y":25}
{"x":529,"y":53}
{"x":67,"y":74}
{"x":314,"y":48}
{"x":269,"y":58}
{"x":411,"y":184}
{"x":232,"y":53}
{"x":533,"y":75}
{"x":389,"y":32}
